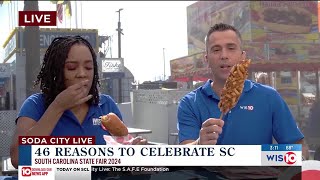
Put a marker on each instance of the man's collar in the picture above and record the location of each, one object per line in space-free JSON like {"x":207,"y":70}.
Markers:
{"x":247,"y":85}
{"x":207,"y":89}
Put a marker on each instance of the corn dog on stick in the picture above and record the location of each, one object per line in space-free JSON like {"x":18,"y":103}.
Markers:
{"x":233,"y":87}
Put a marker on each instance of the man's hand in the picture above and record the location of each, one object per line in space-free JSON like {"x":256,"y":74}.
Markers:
{"x":72,"y":96}
{"x":210,"y":131}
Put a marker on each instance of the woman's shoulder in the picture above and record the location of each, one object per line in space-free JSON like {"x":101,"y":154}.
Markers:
{"x":33,"y":107}
{"x":37,"y":98}
{"x":106,"y":99}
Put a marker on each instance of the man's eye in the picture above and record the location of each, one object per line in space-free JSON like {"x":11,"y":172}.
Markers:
{"x":89,"y":68}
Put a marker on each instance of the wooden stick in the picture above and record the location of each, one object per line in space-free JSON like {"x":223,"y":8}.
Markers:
{"x":221,"y":116}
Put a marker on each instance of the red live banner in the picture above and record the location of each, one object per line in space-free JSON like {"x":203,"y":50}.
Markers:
{"x":57,"y":140}
{"x":37,"y":18}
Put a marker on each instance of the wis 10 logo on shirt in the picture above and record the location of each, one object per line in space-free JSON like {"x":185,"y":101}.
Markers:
{"x":37,"y":18}
{"x":281,"y":155}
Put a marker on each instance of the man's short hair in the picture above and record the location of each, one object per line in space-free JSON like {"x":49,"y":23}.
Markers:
{"x":221,"y":27}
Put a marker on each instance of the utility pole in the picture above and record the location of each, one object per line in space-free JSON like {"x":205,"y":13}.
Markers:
{"x":32,"y":47}
{"x":76,"y":12}
{"x":119,"y":56}
{"x":119,"y":34}
{"x":317,"y":83}
{"x":164,"y":65}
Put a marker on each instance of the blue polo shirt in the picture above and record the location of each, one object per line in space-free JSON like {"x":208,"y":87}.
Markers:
{"x":259,"y":115}
{"x":68,"y":125}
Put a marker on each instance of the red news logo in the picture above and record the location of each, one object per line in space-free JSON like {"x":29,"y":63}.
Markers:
{"x":26,"y":171}
{"x":37,"y":18}
{"x":290,"y":158}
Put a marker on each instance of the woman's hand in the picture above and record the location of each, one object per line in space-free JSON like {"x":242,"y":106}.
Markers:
{"x":72,"y":96}
{"x":139,"y":141}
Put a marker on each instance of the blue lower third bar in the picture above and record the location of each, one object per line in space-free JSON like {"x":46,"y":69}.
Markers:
{"x":281,"y":147}
{"x":25,"y":155}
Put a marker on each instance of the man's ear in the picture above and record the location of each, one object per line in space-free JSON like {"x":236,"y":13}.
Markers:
{"x":205,"y":57}
{"x":243,"y":55}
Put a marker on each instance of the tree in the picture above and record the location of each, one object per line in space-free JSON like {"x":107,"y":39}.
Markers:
{"x":32,"y":49}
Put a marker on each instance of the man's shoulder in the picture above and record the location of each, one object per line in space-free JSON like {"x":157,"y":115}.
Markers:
{"x":193,"y":95}
{"x":263,"y":89}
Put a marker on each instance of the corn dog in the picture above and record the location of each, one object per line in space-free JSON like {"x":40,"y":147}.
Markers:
{"x":114,"y":125}
{"x":233,"y":87}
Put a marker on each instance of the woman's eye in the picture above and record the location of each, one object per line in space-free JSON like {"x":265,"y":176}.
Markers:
{"x":70,"y":68}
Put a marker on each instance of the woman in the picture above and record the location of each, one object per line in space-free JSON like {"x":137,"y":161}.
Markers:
{"x":69,"y":103}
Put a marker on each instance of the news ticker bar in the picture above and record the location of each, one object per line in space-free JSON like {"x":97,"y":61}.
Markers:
{"x":90,"y":140}
{"x":161,"y":155}
{"x":159,"y":172}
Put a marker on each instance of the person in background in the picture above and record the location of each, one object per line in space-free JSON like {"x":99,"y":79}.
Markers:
{"x":259,"y":116}
{"x":262,"y":78}
{"x":69,"y":103}
{"x":312,"y":131}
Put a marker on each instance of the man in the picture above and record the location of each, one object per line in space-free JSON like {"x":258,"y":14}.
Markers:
{"x":259,"y":115}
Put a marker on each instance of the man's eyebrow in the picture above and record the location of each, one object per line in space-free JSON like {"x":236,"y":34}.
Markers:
{"x":214,"y":46}
{"x":231,"y":44}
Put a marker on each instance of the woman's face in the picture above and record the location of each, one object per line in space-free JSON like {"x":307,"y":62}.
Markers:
{"x":79,"y":66}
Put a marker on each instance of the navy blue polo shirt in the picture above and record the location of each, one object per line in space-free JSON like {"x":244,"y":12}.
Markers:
{"x":259,"y":115}
{"x":68,"y":125}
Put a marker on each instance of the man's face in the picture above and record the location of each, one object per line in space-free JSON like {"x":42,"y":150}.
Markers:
{"x":79,"y":66}
{"x":223,"y":52}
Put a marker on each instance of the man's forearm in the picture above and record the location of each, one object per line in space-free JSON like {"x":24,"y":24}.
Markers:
{"x":190,"y":142}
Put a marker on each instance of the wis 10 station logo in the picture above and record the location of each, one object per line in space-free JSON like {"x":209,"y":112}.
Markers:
{"x":289,"y":158}
{"x":281,"y":155}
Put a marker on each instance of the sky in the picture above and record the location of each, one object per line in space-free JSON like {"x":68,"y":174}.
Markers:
{"x":155,"y":32}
